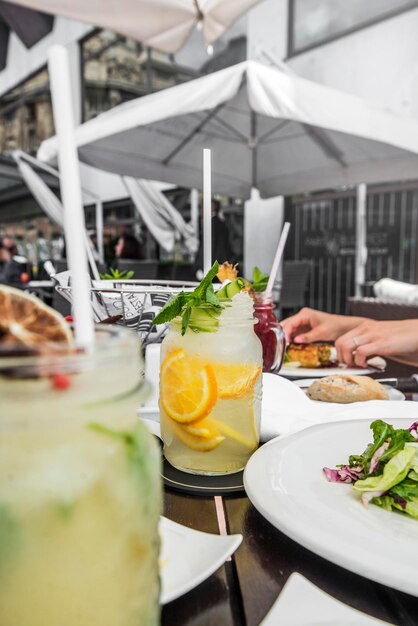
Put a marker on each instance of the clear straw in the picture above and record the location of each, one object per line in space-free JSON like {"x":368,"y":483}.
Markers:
{"x":74,"y":224}
{"x":207,"y":211}
{"x":277,"y":259}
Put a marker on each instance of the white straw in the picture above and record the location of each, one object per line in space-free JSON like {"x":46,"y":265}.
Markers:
{"x":74,"y":224}
{"x":207,"y":211}
{"x":277,"y":259}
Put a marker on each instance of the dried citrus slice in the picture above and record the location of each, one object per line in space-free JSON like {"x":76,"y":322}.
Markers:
{"x":200,"y":444}
{"x":26,"y":321}
{"x":235,"y":379}
{"x":187,"y":387}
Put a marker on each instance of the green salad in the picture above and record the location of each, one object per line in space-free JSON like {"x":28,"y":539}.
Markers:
{"x":386,"y":473}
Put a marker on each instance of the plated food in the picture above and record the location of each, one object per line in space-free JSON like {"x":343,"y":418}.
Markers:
{"x":311,"y":355}
{"x":283,"y":481}
{"x":316,"y":360}
{"x":386,"y":473}
{"x":345,"y":389}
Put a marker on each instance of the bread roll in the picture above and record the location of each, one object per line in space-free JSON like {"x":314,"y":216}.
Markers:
{"x":345,"y":389}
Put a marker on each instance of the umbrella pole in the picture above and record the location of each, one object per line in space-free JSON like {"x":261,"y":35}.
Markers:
{"x":253,"y":148}
{"x":361,"y":239}
{"x":99,"y":230}
{"x":207,"y":211}
{"x":194,"y":211}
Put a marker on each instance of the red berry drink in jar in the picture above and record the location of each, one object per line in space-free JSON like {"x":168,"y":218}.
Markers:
{"x":269,"y":332}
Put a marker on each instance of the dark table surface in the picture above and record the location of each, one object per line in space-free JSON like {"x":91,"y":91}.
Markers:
{"x":243,"y":590}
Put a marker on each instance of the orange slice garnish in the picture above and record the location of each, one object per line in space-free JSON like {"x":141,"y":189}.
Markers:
{"x":26,"y":321}
{"x":235,"y":379}
{"x":188,"y":389}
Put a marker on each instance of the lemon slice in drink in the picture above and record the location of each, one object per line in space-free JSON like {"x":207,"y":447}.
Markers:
{"x":201,"y":444}
{"x":210,"y":428}
{"x":26,"y":321}
{"x":235,"y":379}
{"x":188,"y":389}
{"x":204,"y":428}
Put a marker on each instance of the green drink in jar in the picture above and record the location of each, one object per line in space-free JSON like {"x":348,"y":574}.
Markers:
{"x":80,"y":494}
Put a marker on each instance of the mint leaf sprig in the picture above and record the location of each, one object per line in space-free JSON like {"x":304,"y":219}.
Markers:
{"x":184,"y":305}
{"x":260,"y":280}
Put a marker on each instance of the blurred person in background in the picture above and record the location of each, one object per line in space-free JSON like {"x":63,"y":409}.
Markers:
{"x":94,"y":247}
{"x":5,"y":256}
{"x":129,"y":247}
{"x":221,"y":243}
{"x":13,"y":268}
{"x":9,"y":244}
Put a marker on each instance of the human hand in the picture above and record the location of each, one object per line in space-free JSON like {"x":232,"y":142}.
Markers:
{"x":396,"y":339}
{"x":311,"y":325}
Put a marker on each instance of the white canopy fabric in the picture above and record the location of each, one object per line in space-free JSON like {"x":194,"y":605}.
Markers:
{"x":49,"y":202}
{"x":267,"y":129}
{"x":162,"y":24}
{"x":162,"y":219}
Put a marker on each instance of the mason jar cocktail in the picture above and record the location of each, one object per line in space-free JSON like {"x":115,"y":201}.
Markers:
{"x":210,"y":389}
{"x":79,"y":489}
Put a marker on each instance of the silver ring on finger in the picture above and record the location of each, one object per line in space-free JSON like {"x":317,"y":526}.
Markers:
{"x":356,"y":343}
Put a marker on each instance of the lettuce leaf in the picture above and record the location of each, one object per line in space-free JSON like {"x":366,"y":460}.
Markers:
{"x":382,"y":432}
{"x":394,"y":472}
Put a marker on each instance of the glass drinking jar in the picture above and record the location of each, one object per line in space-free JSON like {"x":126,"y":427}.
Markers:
{"x":210,"y":392}
{"x":270,"y":333}
{"x":80,"y":493}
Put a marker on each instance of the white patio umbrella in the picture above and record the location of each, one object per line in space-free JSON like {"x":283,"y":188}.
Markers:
{"x":162,"y":24}
{"x":267,"y":129}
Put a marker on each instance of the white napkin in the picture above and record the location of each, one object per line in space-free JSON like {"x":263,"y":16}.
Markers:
{"x":317,"y":608}
{"x":286,"y":408}
{"x":396,"y":291}
{"x":152,"y":371}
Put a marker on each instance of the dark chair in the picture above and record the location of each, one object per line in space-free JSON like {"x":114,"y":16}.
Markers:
{"x":294,"y":285}
{"x":60,"y":265}
{"x":183,"y":271}
{"x":141,"y":269}
{"x":60,"y":304}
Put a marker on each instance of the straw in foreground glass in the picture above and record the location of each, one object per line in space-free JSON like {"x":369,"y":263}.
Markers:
{"x":210,"y":379}
{"x":79,"y":476}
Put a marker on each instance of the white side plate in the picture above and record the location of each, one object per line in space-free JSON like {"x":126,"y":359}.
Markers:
{"x":285,"y":482}
{"x":320,"y":372}
{"x":189,"y":556}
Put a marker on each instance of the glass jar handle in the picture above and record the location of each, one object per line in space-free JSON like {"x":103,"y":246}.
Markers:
{"x":280,"y":348}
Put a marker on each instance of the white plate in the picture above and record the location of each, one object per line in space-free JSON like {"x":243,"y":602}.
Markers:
{"x":317,"y":609}
{"x":394,"y":394}
{"x":320,"y":372}
{"x":285,"y":482}
{"x":189,"y":556}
